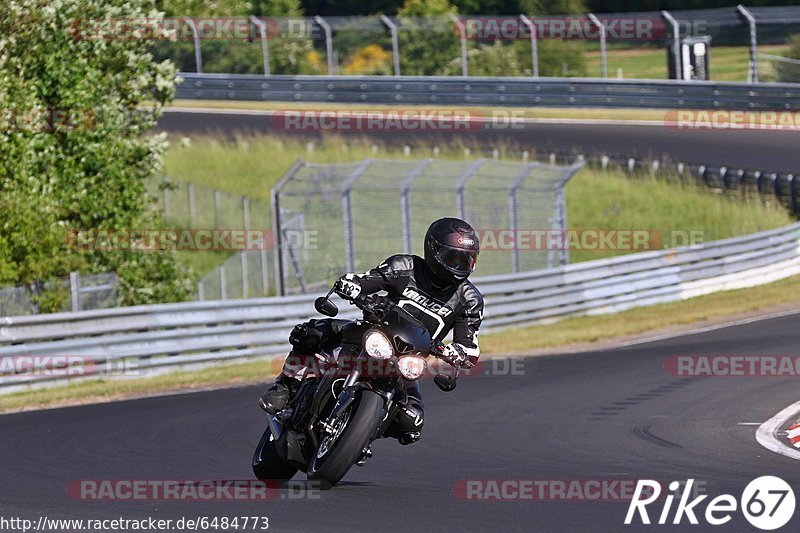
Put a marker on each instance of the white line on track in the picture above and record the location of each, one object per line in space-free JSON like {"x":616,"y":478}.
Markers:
{"x":765,"y":434}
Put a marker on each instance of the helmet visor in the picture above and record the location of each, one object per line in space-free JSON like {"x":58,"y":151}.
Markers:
{"x":457,"y":261}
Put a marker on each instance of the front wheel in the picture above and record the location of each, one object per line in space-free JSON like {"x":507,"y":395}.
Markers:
{"x":338,"y":452}
{"x":267,"y":464}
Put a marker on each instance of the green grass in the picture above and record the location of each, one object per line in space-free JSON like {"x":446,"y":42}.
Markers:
{"x":728,"y":63}
{"x":571,"y":331}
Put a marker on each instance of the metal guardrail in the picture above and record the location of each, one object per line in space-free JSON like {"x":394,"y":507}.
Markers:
{"x":491,"y":91}
{"x":167,"y":336}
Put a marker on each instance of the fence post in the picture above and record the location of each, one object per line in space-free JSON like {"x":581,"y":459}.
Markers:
{"x":347,"y":214}
{"x":275,"y":192}
{"x":461,"y":184}
{"x":192,"y":208}
{"x":752,"y":70}
{"x":166,"y":198}
{"x":223,"y":291}
{"x":395,"y":47}
{"x":217,"y":208}
{"x":676,"y":43}
{"x":198,"y":57}
{"x":513,"y":213}
{"x":534,"y":45}
{"x":75,"y":291}
{"x":201,"y":290}
{"x":328,"y":42}
{"x":243,"y":253}
{"x":602,"y":28}
{"x":405,"y":205}
{"x":462,"y":31}
{"x":262,"y":28}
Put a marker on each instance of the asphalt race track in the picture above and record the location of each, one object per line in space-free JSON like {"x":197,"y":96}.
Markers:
{"x":772,"y":151}
{"x":605,"y":415}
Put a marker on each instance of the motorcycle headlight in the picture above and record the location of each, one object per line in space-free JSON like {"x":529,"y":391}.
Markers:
{"x":412,"y":366}
{"x":378,"y":345}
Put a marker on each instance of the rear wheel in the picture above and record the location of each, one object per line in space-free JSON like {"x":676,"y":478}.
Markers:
{"x":267,"y":464}
{"x":338,"y":452}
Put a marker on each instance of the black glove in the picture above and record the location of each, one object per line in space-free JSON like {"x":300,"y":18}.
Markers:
{"x":375,"y":307}
{"x":347,"y":287}
{"x":456,"y":355}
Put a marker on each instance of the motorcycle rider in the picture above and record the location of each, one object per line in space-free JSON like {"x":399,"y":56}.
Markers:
{"x":434,"y":289}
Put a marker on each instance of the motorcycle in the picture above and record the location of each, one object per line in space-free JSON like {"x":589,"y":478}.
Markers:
{"x":343,"y":405}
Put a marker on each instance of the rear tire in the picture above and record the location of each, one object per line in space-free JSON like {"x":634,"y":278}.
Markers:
{"x":365,"y":418}
{"x":267,"y":464}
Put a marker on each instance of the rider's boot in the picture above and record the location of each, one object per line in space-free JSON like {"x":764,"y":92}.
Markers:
{"x":279,"y":394}
{"x":411,"y":416}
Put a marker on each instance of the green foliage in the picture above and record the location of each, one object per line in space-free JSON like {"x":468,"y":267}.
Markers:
{"x":75,"y":150}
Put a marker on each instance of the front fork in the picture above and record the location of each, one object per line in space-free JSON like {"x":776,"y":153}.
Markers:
{"x":348,"y":395}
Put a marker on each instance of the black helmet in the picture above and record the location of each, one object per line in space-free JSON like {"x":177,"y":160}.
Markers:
{"x":451,"y":249}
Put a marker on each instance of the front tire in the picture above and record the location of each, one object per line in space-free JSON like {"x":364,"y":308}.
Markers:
{"x":267,"y":464}
{"x":363,"y":419}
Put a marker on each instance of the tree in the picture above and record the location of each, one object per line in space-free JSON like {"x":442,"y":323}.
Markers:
{"x":80,"y":98}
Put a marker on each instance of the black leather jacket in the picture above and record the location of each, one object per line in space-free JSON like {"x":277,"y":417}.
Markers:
{"x":410,"y":284}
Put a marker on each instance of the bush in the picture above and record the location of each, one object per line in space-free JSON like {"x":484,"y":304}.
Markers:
{"x":76,"y":149}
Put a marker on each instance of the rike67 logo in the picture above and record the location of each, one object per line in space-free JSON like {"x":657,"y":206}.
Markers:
{"x":767,"y":503}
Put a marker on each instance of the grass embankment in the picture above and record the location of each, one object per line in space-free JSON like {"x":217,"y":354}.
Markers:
{"x":571,"y":331}
{"x":728,"y":63}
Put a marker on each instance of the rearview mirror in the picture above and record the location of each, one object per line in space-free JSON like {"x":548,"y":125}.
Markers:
{"x":325,"y":306}
{"x":445,"y":383}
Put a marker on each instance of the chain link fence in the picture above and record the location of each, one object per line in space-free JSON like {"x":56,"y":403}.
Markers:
{"x":73,"y":293}
{"x":337,"y":218}
{"x":245,"y":273}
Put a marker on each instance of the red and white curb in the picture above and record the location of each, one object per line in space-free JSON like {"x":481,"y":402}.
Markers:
{"x":767,"y":433}
{"x":794,"y":435}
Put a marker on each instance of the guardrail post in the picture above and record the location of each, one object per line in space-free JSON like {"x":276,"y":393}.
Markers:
{"x":198,"y":57}
{"x":328,"y":42}
{"x":75,"y":291}
{"x":166,"y":198}
{"x":602,"y":28}
{"x":192,"y":207}
{"x":676,"y":43}
{"x":462,"y":31}
{"x":395,"y":47}
{"x":752,"y":70}
{"x":534,"y":44}
{"x":262,"y":29}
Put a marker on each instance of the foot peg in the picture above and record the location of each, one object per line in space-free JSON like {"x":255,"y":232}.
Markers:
{"x":364,"y":456}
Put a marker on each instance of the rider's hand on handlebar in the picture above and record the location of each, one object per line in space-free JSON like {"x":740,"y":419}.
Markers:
{"x":456,"y":355}
{"x":347,"y":287}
